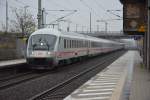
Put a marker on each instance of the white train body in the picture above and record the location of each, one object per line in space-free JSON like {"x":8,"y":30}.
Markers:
{"x":49,"y":47}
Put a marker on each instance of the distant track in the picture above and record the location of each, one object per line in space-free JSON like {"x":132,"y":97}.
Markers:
{"x":20,"y":78}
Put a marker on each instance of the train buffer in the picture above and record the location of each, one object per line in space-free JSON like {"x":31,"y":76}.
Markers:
{"x":10,"y":63}
{"x":124,"y":79}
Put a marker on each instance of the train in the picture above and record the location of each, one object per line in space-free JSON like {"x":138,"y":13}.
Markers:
{"x":47,"y":47}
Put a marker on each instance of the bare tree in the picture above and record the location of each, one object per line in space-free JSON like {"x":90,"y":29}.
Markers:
{"x":3,"y":26}
{"x":24,"y":22}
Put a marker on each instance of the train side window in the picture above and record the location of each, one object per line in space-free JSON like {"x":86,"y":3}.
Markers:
{"x":74,"y":43}
{"x":59,"y":40}
{"x":70,"y":43}
{"x":83,"y":44}
{"x":77,"y":43}
{"x":90,"y":44}
{"x":87,"y":44}
{"x":65,"y":43}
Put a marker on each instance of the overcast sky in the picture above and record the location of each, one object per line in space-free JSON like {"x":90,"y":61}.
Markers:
{"x":98,"y":9}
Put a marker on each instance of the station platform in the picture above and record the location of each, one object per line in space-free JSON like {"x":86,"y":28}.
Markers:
{"x":9,"y":63}
{"x":122,"y":80}
{"x":140,"y":86}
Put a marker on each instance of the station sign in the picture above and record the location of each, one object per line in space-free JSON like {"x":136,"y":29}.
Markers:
{"x":134,"y":18}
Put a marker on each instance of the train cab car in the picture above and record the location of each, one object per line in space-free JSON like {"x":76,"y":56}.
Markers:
{"x":41,"y":48}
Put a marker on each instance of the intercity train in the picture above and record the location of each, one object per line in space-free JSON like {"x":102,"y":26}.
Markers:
{"x":47,"y":48}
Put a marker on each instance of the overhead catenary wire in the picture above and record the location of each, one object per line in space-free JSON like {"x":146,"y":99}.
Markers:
{"x":85,"y":19}
{"x":92,"y":10}
{"x":64,"y":9}
{"x":24,"y":4}
{"x":57,"y":4}
{"x":103,"y":8}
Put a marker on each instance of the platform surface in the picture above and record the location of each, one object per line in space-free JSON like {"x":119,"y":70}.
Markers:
{"x":8,"y":63}
{"x":109,"y":84}
{"x":140,"y":86}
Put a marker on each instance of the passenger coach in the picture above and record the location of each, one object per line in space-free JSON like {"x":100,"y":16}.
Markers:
{"x":49,"y":47}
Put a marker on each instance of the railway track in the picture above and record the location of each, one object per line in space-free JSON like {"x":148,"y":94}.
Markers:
{"x":54,"y":92}
{"x":18,"y":77}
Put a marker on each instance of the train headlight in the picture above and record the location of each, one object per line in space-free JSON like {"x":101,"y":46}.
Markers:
{"x":42,"y":44}
{"x":48,"y":53}
{"x":32,"y":53}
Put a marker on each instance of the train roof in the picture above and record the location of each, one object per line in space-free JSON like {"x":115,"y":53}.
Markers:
{"x":69,"y":34}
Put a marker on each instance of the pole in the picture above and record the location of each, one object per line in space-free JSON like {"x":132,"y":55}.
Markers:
{"x":144,"y":51}
{"x":90,"y":23}
{"x":45,"y":19}
{"x":6,"y":16}
{"x":58,"y":26}
{"x":43,"y":10}
{"x":76,"y":27}
{"x":148,"y":38}
{"x":106,"y":27}
{"x":68,"y":26}
{"x":39,"y":14}
{"x":25,"y":16}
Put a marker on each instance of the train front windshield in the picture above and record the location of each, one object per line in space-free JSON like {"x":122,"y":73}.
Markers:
{"x":42,"y":42}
